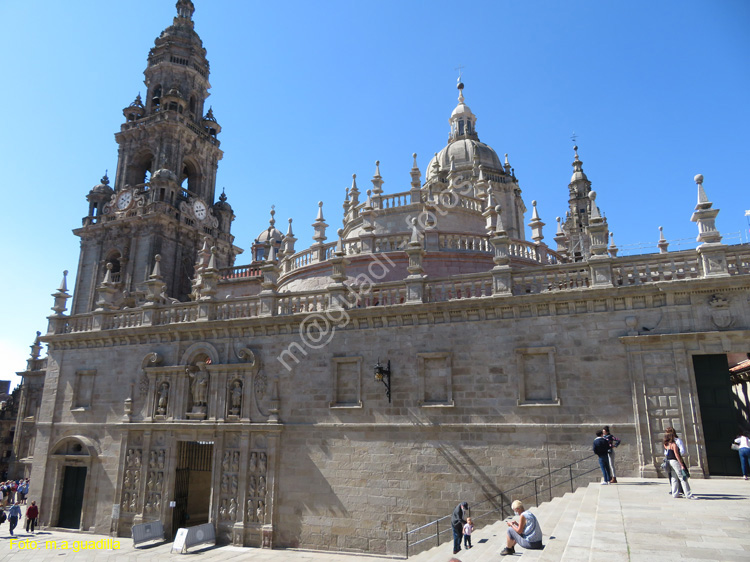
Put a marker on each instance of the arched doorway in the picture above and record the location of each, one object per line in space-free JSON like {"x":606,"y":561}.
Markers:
{"x":73,"y":456}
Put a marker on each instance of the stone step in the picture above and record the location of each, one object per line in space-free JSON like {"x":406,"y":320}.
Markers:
{"x":608,"y":538}
{"x":578,"y":546}
{"x":556,"y":539}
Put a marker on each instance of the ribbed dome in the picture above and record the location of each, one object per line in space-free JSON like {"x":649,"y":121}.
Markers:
{"x":463,"y":151}
{"x":271,"y":233}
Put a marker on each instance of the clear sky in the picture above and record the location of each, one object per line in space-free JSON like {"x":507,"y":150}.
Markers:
{"x":308,"y":93}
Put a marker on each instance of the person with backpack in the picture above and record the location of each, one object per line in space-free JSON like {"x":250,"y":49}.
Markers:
{"x":613,"y":442}
{"x":601,"y":449}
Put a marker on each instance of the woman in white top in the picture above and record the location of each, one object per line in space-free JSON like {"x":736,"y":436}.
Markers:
{"x":744,"y":443}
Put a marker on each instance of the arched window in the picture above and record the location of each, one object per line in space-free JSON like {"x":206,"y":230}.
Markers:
{"x":140,"y":169}
{"x":189,"y":177}
{"x":156,"y":99}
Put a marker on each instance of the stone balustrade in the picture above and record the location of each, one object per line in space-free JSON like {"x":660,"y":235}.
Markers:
{"x":625,"y":272}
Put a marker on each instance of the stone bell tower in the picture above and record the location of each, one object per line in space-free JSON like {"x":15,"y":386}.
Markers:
{"x":163,"y":201}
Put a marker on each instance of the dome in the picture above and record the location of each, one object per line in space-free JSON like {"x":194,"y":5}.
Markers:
{"x":577,"y":176}
{"x":102,"y":187}
{"x":270,"y":234}
{"x":462,"y":151}
{"x":462,"y":109}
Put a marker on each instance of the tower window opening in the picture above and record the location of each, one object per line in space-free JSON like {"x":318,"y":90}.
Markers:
{"x":460,"y":127}
{"x":192,"y":107}
{"x":156,"y":98}
{"x":468,"y":127}
{"x":161,"y":194}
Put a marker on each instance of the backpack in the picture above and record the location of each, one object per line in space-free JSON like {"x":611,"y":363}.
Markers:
{"x":3,"y":517}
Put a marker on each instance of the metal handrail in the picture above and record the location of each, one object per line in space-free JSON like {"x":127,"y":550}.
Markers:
{"x":496,"y":506}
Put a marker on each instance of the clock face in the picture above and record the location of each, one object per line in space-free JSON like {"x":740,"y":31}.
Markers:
{"x":124,"y":200}
{"x":199,"y":209}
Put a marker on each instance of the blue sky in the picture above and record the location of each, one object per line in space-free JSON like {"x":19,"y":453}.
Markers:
{"x":308,"y":93}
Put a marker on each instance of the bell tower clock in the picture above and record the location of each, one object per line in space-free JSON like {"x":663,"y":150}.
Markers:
{"x":163,"y":200}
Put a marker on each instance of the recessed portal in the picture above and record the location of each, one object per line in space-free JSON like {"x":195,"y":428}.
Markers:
{"x":71,"y":499}
{"x":721,"y":413}
{"x":192,"y":489}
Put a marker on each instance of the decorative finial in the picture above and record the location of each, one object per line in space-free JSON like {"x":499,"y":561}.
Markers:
{"x":289,"y":232}
{"x":105,"y":179}
{"x":273,"y":212}
{"x":223,"y":196}
{"x":415,"y":160}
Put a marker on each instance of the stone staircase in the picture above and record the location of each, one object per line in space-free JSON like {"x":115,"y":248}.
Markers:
{"x":635,"y":520}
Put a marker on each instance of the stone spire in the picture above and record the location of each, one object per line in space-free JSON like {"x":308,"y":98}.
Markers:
{"x":320,"y":225}
{"x":536,"y":225}
{"x":415,"y":192}
{"x":377,"y":180}
{"x":663,"y":245}
{"x":705,"y":216}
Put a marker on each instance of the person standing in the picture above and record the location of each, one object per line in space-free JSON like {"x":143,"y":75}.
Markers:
{"x":601,"y":449}
{"x":32,"y":512}
{"x":525,"y":533}
{"x":468,"y":528}
{"x":683,"y":451}
{"x":613,"y":442}
{"x":14,"y":514}
{"x":676,"y":464}
{"x":458,"y":520}
{"x":744,"y":451}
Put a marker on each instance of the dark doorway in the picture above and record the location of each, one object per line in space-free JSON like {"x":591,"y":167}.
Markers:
{"x":192,"y":489}
{"x":71,"y":500}
{"x":718,"y":412}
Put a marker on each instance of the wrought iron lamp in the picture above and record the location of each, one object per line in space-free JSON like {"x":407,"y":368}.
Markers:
{"x":383,"y":374}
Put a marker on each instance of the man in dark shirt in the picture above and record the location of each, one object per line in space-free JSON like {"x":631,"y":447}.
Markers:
{"x":458,"y":520}
{"x":601,"y":449}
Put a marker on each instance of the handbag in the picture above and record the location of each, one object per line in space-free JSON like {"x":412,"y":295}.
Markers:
{"x":735,"y":447}
{"x":685,"y":473}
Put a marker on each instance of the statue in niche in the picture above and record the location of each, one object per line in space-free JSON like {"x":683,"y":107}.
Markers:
{"x":160,"y":462}
{"x":235,"y":398}
{"x":157,"y":502}
{"x":250,"y":510}
{"x":133,"y":502}
{"x":262,"y":464}
{"x":223,"y":509}
{"x":126,"y":481}
{"x":126,"y":501}
{"x":159,"y":479}
{"x":130,"y":459}
{"x":136,"y":480}
{"x":262,"y":487}
{"x":251,"y":486}
{"x":234,"y":485}
{"x":261,"y":512}
{"x":148,"y":508}
{"x":151,"y":481}
{"x":236,"y":461}
{"x":199,"y":385}
{"x":163,"y":400}
{"x":225,"y":484}
{"x":152,"y":460}
{"x":226,"y":459}
{"x":253,"y":462}
{"x":232,"y":513}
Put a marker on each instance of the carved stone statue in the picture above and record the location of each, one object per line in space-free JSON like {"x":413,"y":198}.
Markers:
{"x":262,"y":463}
{"x":161,"y":408}
{"x":200,"y":386}
{"x":236,"y":461}
{"x":261,"y":512}
{"x":250,"y":510}
{"x":236,"y":398}
{"x":232,"y":509}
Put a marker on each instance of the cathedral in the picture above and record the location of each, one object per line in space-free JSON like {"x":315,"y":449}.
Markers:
{"x":337,"y":396}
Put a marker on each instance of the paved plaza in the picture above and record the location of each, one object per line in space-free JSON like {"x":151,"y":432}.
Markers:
{"x":635,"y":520}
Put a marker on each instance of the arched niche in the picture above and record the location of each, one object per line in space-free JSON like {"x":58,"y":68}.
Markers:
{"x":193,"y":354}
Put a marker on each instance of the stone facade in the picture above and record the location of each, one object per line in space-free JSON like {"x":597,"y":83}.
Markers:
{"x":250,"y":399}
